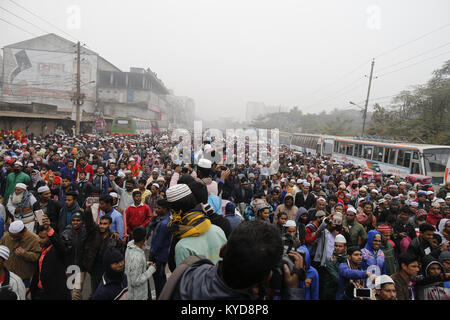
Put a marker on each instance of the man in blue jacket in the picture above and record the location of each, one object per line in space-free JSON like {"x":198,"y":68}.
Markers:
{"x":159,"y":249}
{"x":349,"y":273}
{"x":311,"y":283}
{"x":69,"y":171}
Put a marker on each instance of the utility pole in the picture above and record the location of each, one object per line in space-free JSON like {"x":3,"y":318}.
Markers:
{"x":367,"y":99}
{"x":78,"y":93}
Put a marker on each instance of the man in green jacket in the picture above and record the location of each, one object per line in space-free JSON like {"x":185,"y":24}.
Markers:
{"x":390,"y":259}
{"x":354,"y":229}
{"x":331,"y":276}
{"x":15,"y":177}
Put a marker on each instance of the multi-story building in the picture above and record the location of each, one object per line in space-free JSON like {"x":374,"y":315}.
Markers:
{"x":44,"y":70}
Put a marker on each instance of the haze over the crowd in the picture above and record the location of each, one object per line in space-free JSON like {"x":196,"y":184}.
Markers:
{"x":310,"y":54}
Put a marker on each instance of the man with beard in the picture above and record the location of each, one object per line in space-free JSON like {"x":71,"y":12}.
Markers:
{"x":288,"y":207}
{"x":100,"y":180}
{"x":388,"y":248}
{"x":351,"y":275}
{"x":305,"y":198}
{"x":394,"y":209}
{"x":24,"y":251}
{"x":15,"y":177}
{"x":358,"y":234}
{"x":126,"y":195}
{"x":331,"y":274}
{"x":49,"y":207}
{"x":20,"y":205}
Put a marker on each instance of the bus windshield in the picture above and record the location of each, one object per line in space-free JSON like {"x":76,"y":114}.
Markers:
{"x":435,"y":163}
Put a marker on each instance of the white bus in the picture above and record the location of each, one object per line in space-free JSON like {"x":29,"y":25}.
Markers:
{"x":313,"y":143}
{"x":394,"y":158}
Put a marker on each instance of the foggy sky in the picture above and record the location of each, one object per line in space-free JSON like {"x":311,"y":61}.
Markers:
{"x":226,"y":53}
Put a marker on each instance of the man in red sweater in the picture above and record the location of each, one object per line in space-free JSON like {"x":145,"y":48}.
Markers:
{"x":85,"y":167}
{"x":138,"y":214}
{"x":311,"y":229}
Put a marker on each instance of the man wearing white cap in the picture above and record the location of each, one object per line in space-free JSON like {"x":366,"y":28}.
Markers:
{"x":20,"y":205}
{"x":24,"y":251}
{"x":385,"y":288}
{"x":331,"y":275}
{"x":305,"y":198}
{"x":204,"y":174}
{"x":15,"y":177}
{"x":49,"y":207}
{"x":10,"y":279}
{"x":358,"y":234}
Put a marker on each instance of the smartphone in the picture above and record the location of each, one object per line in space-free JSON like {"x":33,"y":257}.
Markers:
{"x":362,"y":293}
{"x":92,"y":200}
{"x":39,"y":216}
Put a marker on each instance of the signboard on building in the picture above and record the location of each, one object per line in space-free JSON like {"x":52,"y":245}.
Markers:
{"x":47,"y":74}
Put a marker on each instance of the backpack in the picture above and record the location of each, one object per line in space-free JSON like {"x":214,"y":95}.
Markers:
{"x":175,"y":278}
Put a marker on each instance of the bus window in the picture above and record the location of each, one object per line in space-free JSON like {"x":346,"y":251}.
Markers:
{"x":336,"y":146}
{"x":342,"y":148}
{"x":416,"y":155}
{"x":400,"y":157}
{"x":368,"y":152}
{"x":415,"y":168}
{"x":386,"y":155}
{"x":392,"y":156}
{"x":378,"y":154}
{"x":349,"y":150}
{"x":407,"y":161}
{"x":358,"y":152}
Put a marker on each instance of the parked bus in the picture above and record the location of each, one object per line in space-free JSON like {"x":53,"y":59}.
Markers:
{"x":312,"y":143}
{"x":395,"y":158}
{"x":400,"y":159}
{"x":125,"y":126}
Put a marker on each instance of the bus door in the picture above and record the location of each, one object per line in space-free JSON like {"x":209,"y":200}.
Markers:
{"x":415,"y":164}
{"x":319,"y":149}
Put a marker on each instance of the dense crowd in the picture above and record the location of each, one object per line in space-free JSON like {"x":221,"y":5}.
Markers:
{"x":122,"y":210}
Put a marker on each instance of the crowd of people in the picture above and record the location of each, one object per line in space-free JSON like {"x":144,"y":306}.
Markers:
{"x":122,"y":210}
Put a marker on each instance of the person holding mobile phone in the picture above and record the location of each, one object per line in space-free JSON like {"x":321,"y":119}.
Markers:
{"x":351,"y":275}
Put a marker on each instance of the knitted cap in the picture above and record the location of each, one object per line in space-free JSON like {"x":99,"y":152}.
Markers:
{"x":4,"y":252}
{"x":177,"y":192}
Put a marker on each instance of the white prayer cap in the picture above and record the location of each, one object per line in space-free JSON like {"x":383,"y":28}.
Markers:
{"x":16,"y":226}
{"x":21,"y":186}
{"x":351,"y":209}
{"x":43,"y":189}
{"x":204,"y":163}
{"x":383,"y":279}
{"x":290,"y":223}
{"x":340,"y":239}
